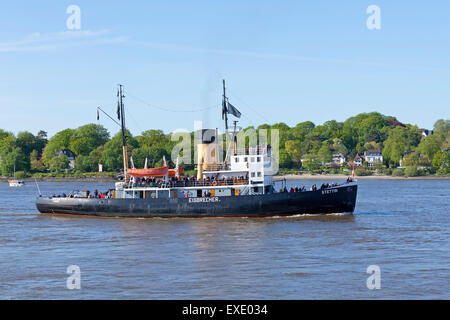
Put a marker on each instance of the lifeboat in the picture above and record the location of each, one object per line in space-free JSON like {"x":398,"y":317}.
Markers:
{"x":154,"y":172}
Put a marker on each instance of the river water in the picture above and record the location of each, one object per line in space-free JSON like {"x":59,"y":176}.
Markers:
{"x":403,"y":227}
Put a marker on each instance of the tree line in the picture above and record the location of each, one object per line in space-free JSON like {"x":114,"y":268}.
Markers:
{"x":305,"y":146}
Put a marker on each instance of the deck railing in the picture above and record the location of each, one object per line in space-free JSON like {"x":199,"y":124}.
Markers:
{"x":182,"y":183}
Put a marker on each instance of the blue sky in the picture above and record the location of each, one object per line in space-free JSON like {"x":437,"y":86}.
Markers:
{"x":284,"y":61}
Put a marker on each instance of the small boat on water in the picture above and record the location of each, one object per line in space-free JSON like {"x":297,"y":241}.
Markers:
{"x":240,"y":186}
{"x":15,"y":182}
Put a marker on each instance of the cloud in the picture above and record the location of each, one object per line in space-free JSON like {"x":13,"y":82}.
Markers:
{"x":60,"y":40}
{"x":289,"y":57}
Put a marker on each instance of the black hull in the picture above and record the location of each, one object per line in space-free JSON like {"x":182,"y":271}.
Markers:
{"x":333,"y":200}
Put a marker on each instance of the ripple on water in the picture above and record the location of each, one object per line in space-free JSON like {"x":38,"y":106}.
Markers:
{"x":296,"y":257}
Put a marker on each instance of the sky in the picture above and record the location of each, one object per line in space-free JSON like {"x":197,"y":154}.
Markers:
{"x":283,"y":61}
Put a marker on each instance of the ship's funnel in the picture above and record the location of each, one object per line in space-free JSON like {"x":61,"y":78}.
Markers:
{"x":207,"y":151}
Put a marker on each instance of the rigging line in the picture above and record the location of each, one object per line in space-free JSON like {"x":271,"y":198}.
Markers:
{"x":98,"y":108}
{"x":168,"y":109}
{"x":127,"y":113}
{"x":235,"y":96}
{"x":134,"y":120}
{"x":250,"y":120}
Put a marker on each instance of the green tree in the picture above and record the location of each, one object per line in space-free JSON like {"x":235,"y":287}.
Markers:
{"x":95,"y":158}
{"x":153,"y":145}
{"x":441,"y":162}
{"x":87,"y":138}
{"x":339,"y":147}
{"x":295,"y":151}
{"x":441,"y":127}
{"x":284,"y":135}
{"x":59,"y":164}
{"x":416,"y":159}
{"x":324,"y":154}
{"x":27,"y":142}
{"x":35,"y":163}
{"x":112,"y":155}
{"x":411,"y":171}
{"x":312,"y":144}
{"x":310,"y":162}
{"x":59,"y":141}
{"x":14,"y":159}
{"x":399,"y":141}
{"x":430,"y":145}
{"x":7,"y":142}
{"x":83,"y":163}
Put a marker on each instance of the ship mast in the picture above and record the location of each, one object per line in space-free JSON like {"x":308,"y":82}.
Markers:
{"x":224,"y":107}
{"x":121,"y":115}
{"x":225,"y":117}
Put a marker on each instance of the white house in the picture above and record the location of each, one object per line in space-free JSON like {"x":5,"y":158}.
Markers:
{"x":373,"y":157}
{"x":338,"y":159}
{"x":426,"y":132}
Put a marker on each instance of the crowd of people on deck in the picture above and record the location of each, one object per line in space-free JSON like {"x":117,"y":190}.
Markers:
{"x":188,"y":182}
{"x":86,"y":194}
{"x":314,"y":187}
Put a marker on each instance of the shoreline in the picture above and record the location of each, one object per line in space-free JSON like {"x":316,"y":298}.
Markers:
{"x":66,"y":179}
{"x":275,"y":178}
{"x":339,"y":177}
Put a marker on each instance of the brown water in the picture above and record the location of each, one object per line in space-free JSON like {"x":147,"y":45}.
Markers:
{"x":401,"y":226}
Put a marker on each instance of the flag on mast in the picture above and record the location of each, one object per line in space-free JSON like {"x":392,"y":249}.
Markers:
{"x":232,"y":110}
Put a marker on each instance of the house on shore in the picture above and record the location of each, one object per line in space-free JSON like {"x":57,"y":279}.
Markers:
{"x":373,"y":157}
{"x":69,"y":155}
{"x":338,"y":159}
{"x":401,"y":162}
{"x":358,"y":161}
{"x":426,"y":132}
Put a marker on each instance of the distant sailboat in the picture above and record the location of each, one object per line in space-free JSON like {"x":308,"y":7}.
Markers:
{"x":14,"y":182}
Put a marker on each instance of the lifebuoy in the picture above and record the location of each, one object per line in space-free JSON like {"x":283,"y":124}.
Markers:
{"x":214,"y":183}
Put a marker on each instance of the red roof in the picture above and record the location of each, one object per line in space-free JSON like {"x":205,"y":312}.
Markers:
{"x":395,"y":123}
